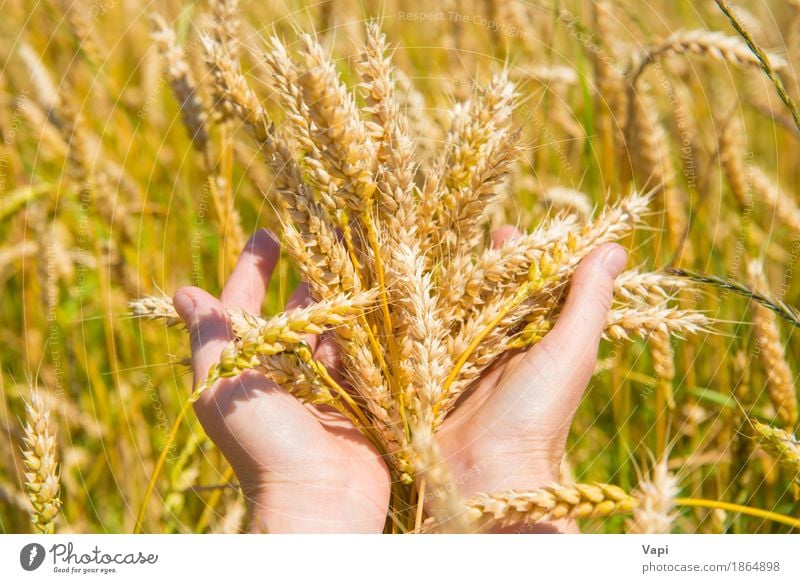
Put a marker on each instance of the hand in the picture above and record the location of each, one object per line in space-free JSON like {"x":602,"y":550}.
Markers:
{"x":511,"y":430}
{"x":301,"y":468}
{"x":308,"y":469}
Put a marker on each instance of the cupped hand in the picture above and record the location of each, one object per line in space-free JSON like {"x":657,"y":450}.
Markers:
{"x":308,"y":469}
{"x":510,"y":431}
{"x":302,"y":468}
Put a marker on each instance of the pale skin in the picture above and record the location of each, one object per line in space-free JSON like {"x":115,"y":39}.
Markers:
{"x":308,"y":469}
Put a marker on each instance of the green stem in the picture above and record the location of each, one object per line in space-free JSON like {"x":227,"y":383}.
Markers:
{"x":763,"y":58}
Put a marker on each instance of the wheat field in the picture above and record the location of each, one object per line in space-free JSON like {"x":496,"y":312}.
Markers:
{"x":143,"y":144}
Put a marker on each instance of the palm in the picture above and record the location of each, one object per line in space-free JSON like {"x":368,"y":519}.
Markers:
{"x":303,"y":468}
{"x":512,"y":425}
{"x":511,"y":429}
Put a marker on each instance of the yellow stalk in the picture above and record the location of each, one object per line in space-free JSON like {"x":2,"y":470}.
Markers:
{"x":304,"y":353}
{"x":231,"y":247}
{"x":173,"y":432}
{"x":515,"y":301}
{"x":420,"y":505}
{"x":344,"y":224}
{"x":387,"y":319}
{"x":757,"y":512}
{"x":213,"y":500}
{"x":662,"y":400}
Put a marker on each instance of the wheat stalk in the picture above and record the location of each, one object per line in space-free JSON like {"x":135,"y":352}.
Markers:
{"x":768,"y":63}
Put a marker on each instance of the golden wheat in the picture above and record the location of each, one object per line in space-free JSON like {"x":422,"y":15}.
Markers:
{"x":42,"y":475}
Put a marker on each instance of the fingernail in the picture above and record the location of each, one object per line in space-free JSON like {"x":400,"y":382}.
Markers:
{"x":184,"y":305}
{"x":615,"y":260}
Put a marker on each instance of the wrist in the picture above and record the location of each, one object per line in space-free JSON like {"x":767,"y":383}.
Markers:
{"x":324,"y":505}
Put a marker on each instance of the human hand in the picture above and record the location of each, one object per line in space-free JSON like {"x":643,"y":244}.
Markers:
{"x":302,"y":468}
{"x":510,"y":431}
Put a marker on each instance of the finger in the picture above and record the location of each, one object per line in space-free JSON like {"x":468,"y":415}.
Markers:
{"x":503,"y":234}
{"x":209,"y":331}
{"x":300,"y":298}
{"x":249,"y":281}
{"x":575,"y":338}
{"x":327,"y":354}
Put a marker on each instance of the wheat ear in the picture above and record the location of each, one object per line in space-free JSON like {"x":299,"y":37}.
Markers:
{"x":42,"y":474}
{"x":701,"y":42}
{"x":780,"y":380}
{"x":655,"y":509}
{"x":781,"y":445}
{"x":182,"y":82}
{"x":514,"y":507}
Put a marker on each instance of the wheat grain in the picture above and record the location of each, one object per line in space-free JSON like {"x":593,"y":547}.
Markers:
{"x":159,"y":308}
{"x":182,"y":82}
{"x":41,"y":465}
{"x":467,"y":282}
{"x":284,"y":331}
{"x":652,"y":164}
{"x":652,"y":288}
{"x":77,"y":17}
{"x":513,"y":507}
{"x":553,"y":75}
{"x":716,"y":45}
{"x":422,"y":328}
{"x":731,"y":156}
{"x":234,"y":95}
{"x":225,"y":23}
{"x":751,"y":183}
{"x":348,"y":152}
{"x":396,"y":149}
{"x":610,"y":84}
{"x":786,"y":210}
{"x":655,"y":496}
{"x":45,"y":91}
{"x":664,"y":366}
{"x":781,"y":445}
{"x":476,"y":157}
{"x":498,"y":272}
{"x":624,"y":322}
{"x":569,"y":199}
{"x":780,"y":380}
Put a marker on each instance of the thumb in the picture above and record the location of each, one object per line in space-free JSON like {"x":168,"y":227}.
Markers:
{"x":207,"y":321}
{"x":577,"y":332}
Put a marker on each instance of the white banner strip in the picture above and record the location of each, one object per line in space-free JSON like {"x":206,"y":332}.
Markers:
{"x":401,"y":559}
